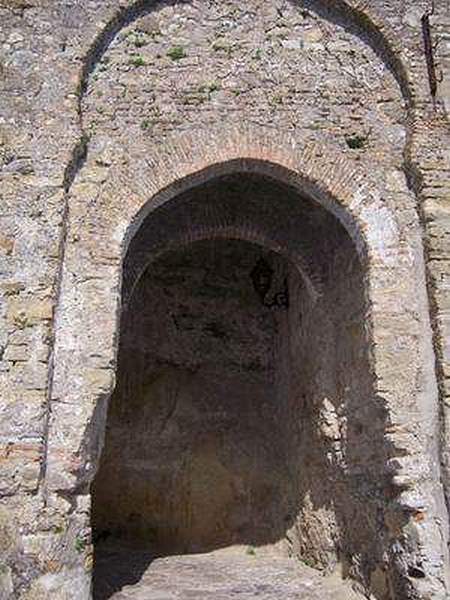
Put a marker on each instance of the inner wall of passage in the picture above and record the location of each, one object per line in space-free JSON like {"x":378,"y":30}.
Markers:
{"x":234,"y":422}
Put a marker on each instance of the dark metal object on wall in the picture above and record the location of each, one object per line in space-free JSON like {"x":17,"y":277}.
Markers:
{"x":262,"y":276}
{"x":429,"y":51}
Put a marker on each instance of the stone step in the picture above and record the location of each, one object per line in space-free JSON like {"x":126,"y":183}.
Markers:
{"x":219,"y":575}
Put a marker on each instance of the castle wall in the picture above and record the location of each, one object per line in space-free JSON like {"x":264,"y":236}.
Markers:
{"x":86,"y":79}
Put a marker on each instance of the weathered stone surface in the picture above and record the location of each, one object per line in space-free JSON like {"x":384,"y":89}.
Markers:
{"x":110,"y":107}
{"x":241,"y":573}
{"x":209,"y":381}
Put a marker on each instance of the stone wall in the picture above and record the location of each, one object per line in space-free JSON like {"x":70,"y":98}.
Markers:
{"x":189,"y":462}
{"x":84,"y":78}
{"x":336,"y":424}
{"x":84,"y":363}
{"x":207,"y":373}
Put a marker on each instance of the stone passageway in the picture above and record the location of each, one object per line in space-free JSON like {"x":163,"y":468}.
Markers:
{"x":239,"y":573}
{"x":236,"y":432}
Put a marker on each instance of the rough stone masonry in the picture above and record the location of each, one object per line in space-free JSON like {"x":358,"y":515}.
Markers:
{"x":152,"y":153}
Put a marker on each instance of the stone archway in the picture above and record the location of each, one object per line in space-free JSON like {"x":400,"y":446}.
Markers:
{"x":223,"y":430}
{"x":100,"y":230}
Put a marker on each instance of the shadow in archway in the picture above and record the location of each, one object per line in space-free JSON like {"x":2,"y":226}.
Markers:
{"x":236,"y":421}
{"x":116,"y":569}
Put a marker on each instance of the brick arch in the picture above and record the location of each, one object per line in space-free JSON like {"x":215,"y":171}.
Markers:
{"x":336,"y":184}
{"x":318,"y":170}
{"x":136,"y":269}
{"x":100,"y":228}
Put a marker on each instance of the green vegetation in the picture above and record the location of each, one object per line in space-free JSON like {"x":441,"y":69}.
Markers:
{"x":176,"y":53}
{"x":140,"y":41}
{"x":356,"y":142}
{"x":125,"y":35}
{"x":309,"y":563}
{"x":277,"y":99}
{"x":137,"y":61}
{"x":209,"y":88}
{"x":80,"y":544}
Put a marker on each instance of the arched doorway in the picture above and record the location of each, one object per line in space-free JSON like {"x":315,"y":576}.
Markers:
{"x":108,"y":245}
{"x":244,"y":406}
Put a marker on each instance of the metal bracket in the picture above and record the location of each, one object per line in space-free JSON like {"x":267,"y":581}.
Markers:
{"x":429,"y":50}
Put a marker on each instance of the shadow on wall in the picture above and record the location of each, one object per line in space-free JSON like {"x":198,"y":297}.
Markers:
{"x":204,"y":466}
{"x":112,"y":574}
{"x":236,"y":424}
